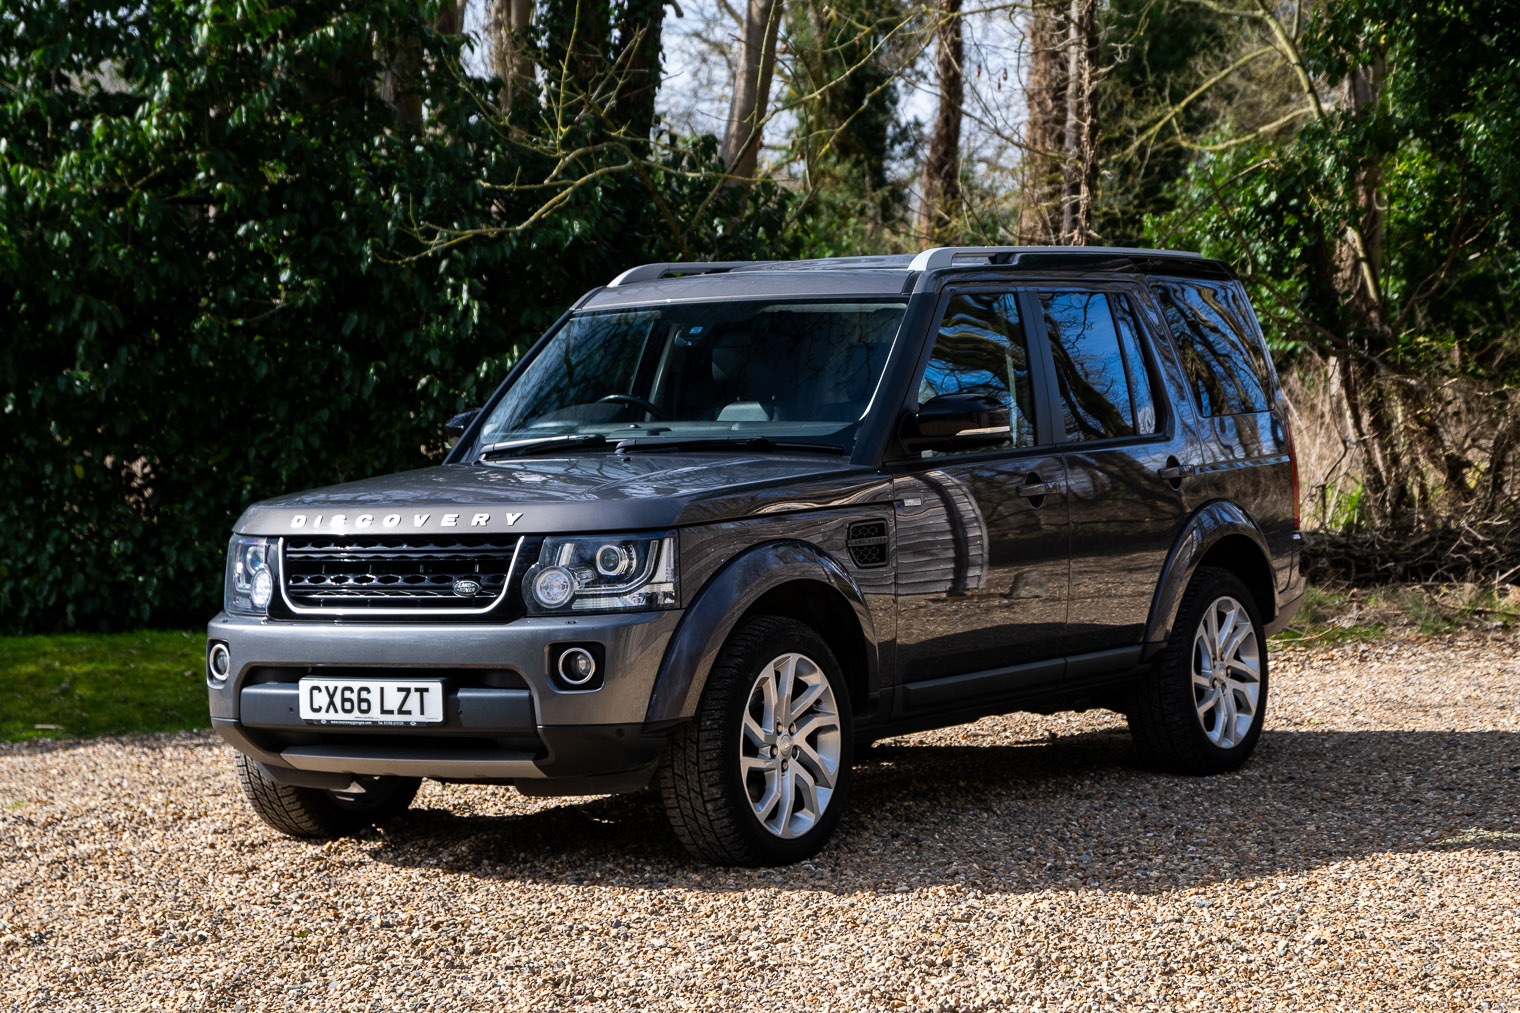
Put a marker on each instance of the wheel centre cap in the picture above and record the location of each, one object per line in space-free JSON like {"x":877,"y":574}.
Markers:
{"x":784,"y":742}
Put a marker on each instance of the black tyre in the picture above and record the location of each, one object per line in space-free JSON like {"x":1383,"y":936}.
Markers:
{"x":319,"y":814}
{"x":761,"y":775}
{"x":1200,"y":709}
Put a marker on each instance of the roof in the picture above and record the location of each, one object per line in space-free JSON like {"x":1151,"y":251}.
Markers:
{"x":937,"y":259}
{"x":892,"y":276}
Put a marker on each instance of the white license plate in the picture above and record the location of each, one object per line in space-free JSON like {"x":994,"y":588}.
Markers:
{"x":377,"y":701}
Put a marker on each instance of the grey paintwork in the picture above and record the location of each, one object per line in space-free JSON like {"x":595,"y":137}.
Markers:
{"x":988,"y":600}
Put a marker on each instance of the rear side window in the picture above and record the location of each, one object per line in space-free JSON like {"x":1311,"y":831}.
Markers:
{"x":1105,"y":390}
{"x":980,"y":349}
{"x":1221,"y":358}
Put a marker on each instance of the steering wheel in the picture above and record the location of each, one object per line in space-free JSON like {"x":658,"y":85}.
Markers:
{"x":635,"y":400}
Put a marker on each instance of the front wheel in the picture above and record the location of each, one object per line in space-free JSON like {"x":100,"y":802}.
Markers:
{"x":319,"y":814}
{"x":1200,"y":709}
{"x":760,"y":776}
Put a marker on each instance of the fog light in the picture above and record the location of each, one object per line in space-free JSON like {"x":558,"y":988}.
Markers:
{"x":576,"y":666}
{"x":553,"y":586}
{"x":219,"y":662}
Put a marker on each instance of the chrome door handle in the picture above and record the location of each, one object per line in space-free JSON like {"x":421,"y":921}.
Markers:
{"x":1031,"y":490}
{"x":1175,"y":472}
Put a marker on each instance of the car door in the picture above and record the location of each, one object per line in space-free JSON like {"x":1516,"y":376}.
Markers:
{"x":1125,"y":461}
{"x":982,"y":537}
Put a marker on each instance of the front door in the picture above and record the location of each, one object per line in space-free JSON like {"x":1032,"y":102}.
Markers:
{"x":982,"y":538}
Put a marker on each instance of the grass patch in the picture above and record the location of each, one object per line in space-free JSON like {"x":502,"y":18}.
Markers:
{"x":1339,"y":614}
{"x":79,"y":685}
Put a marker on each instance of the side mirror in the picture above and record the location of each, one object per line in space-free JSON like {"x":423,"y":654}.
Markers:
{"x":955,"y":422}
{"x":454,"y":428}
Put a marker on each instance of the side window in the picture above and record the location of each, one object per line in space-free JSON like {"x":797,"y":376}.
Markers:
{"x":1223,"y":363}
{"x":980,"y":349}
{"x":1105,"y":391}
{"x":1134,"y":366}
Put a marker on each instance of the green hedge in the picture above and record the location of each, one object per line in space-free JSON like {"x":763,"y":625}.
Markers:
{"x":213,"y":284}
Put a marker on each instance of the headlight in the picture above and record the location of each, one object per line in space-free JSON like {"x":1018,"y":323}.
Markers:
{"x":603,"y":573}
{"x":250,"y":575}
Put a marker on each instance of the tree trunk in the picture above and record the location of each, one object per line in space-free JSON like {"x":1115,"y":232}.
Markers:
{"x":1078,"y":168}
{"x":1358,"y":280}
{"x":942,"y":169}
{"x":752,"y":86}
{"x":638,"y":68}
{"x":398,"y":86}
{"x":1044,"y":130}
{"x":507,"y":29}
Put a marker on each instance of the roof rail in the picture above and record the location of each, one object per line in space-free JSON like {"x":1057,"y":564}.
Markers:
{"x":653,"y":272}
{"x":942,"y":257}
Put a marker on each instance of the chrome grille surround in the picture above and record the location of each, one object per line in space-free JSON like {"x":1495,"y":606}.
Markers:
{"x":412,"y":575}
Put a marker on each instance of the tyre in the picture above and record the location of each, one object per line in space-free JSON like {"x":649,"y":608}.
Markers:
{"x":762,"y":773}
{"x":1200,"y":709}
{"x":319,"y":814}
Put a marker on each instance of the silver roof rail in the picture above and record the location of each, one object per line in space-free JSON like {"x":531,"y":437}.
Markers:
{"x":942,"y":257}
{"x":654,"y":272}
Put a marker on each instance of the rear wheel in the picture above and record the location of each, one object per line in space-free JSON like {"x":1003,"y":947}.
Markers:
{"x":761,"y":775}
{"x":1200,"y":709}
{"x":319,"y":814}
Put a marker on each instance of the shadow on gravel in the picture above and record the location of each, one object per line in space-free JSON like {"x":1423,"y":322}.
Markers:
{"x":1066,"y":813}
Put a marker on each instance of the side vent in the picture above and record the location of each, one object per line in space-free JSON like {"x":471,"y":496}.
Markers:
{"x":867,"y":542}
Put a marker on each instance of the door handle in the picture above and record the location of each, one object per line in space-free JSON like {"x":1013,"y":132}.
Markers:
{"x":1175,"y":472}
{"x":1033,"y":490}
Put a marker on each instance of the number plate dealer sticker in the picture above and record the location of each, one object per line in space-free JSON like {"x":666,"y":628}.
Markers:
{"x":377,"y":702}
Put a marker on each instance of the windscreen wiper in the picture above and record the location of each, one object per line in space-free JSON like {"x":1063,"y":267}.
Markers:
{"x":754,"y":444}
{"x":540,"y":445}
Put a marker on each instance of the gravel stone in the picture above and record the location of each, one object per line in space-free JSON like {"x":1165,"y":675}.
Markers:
{"x":1367,"y":858}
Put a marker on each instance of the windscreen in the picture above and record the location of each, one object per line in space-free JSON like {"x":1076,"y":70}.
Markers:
{"x":704,"y":370}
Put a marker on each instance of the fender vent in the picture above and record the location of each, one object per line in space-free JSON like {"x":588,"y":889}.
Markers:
{"x":867,"y":542}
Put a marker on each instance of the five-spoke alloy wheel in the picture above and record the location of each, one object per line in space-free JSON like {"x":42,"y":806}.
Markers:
{"x":790,"y":751}
{"x":1199,"y":710}
{"x":760,"y":776}
{"x":1226,"y":673}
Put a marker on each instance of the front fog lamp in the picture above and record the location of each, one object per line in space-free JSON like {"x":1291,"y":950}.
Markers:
{"x":602,"y":574}
{"x":250,"y":575}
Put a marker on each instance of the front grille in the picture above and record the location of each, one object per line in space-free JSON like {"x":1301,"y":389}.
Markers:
{"x":398,"y":574}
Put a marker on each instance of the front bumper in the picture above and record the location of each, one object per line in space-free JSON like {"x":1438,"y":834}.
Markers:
{"x":505,"y":718}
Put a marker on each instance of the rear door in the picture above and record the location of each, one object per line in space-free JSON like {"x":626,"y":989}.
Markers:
{"x":1126,"y":459}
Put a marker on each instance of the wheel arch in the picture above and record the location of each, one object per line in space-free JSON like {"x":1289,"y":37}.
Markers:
{"x":1222,"y":534}
{"x":786,"y":578}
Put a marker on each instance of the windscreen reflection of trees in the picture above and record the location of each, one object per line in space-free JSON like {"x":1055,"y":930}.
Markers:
{"x":1222,"y":363}
{"x":591,"y":357}
{"x":981,"y":350}
{"x":1097,"y":388}
{"x":791,"y":363}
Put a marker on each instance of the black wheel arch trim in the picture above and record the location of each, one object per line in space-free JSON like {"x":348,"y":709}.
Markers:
{"x":717,"y":608}
{"x":1206,"y":527}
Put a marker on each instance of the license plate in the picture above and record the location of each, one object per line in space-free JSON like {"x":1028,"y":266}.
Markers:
{"x":371,"y":702}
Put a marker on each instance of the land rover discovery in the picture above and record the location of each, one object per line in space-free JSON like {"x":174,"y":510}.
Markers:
{"x":725,"y":523}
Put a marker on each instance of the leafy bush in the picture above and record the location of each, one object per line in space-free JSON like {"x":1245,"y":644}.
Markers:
{"x":227,"y":271}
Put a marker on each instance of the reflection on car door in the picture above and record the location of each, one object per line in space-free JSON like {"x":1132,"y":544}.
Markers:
{"x":982,"y":537}
{"x":1124,"y":463}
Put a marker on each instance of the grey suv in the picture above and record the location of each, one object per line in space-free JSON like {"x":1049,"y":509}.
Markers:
{"x":725,"y":523}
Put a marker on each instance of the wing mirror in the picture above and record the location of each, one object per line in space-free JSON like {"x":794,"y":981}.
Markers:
{"x":955,"y":422}
{"x":454,"y":428}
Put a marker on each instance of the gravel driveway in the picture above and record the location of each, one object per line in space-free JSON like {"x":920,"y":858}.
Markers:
{"x":1367,"y":858}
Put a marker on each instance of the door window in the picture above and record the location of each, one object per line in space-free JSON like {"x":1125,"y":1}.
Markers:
{"x":980,"y":349}
{"x":1105,"y":390}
